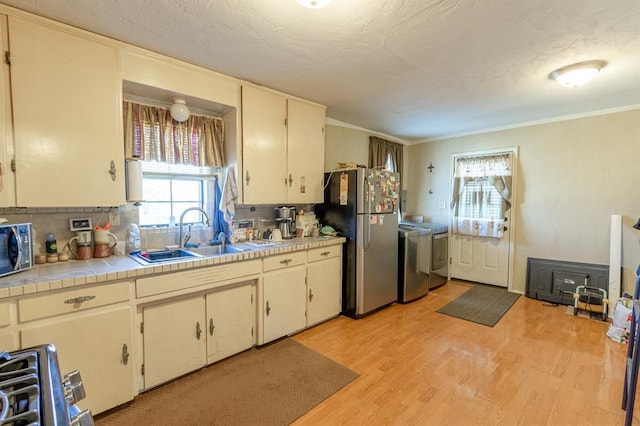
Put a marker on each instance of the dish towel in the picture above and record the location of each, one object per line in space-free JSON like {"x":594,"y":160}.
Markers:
{"x":229,"y":196}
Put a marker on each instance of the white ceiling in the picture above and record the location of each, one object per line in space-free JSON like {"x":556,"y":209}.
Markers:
{"x":409,"y":69}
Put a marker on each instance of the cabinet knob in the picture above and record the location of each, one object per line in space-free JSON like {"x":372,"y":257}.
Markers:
{"x":125,"y":354}
{"x":310,"y":295}
{"x":198,"y":330}
{"x":268,"y":308}
{"x":247,"y":178}
{"x":290,"y":180}
{"x":211,"y":327}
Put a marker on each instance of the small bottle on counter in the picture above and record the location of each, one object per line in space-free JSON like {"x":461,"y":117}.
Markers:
{"x":50,"y":244}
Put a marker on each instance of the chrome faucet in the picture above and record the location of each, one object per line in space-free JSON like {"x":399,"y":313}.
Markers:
{"x":222,"y":237}
{"x":206,"y":221}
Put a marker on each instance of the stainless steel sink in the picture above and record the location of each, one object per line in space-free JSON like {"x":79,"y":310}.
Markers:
{"x":163,"y":256}
{"x":217,"y":250}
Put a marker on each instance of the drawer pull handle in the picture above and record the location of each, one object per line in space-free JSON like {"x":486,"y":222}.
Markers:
{"x":125,"y":354}
{"x":286,"y":261}
{"x":79,"y":299}
{"x":310,"y":295}
{"x":325,"y":253}
{"x":198,"y":330}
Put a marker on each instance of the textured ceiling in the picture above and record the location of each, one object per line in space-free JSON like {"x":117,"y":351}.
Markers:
{"x":411,"y":69}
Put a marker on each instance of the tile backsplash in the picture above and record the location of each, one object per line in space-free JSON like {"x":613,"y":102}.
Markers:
{"x":56,"y":221}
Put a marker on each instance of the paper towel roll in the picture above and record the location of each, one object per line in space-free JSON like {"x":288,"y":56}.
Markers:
{"x":134,"y":181}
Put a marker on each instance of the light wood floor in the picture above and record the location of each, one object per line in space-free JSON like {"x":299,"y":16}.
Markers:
{"x":537,"y":366}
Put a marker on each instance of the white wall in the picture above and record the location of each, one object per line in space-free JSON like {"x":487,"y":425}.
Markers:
{"x":572,"y":176}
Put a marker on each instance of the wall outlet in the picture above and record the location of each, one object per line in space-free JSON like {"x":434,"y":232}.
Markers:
{"x":114,"y":218}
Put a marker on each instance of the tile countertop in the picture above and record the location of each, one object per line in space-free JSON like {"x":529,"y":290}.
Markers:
{"x":53,"y":276}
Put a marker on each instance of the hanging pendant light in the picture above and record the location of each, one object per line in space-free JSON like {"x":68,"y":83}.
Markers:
{"x":179,"y":110}
{"x":314,"y":4}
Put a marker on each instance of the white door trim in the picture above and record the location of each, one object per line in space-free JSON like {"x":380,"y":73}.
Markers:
{"x":514,"y":150}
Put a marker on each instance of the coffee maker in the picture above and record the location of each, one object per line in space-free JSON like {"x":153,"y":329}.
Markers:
{"x":287,"y":221}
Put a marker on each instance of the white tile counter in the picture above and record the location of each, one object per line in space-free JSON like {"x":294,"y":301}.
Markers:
{"x":53,"y":276}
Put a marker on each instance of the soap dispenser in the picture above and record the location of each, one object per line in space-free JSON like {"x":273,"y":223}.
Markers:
{"x":133,"y":239}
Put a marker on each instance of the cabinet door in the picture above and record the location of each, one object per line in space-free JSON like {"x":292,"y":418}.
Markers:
{"x":284,"y":303}
{"x":305,"y":152}
{"x":93,"y":344}
{"x":324,"y":288}
{"x":174,"y":340}
{"x":263,"y":146}
{"x":7,"y":187}
{"x":230,"y":321}
{"x":67,"y":118}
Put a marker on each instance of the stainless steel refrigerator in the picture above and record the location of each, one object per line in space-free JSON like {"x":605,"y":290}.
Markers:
{"x":362,"y":205}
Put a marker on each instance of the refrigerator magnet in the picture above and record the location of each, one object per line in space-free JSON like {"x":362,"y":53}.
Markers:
{"x":381,"y":220}
{"x":374,"y":219}
{"x":344,"y":189}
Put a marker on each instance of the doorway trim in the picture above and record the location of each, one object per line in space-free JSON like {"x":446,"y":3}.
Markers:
{"x":514,"y":151}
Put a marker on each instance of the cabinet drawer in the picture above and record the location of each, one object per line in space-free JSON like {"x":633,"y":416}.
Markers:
{"x":280,"y":261}
{"x":48,"y":305}
{"x":313,"y":255}
{"x":166,"y":283}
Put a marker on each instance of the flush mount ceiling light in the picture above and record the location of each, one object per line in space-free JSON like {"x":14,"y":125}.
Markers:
{"x":179,"y":110}
{"x":314,"y":4}
{"x":576,"y":75}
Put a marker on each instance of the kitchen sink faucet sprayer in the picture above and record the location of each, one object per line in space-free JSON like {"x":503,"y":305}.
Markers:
{"x":222,"y":237}
{"x":206,"y":221}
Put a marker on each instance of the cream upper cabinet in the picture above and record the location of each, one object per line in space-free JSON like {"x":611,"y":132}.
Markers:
{"x":282,"y":148}
{"x":264,"y":160}
{"x":305,"y":152}
{"x":7,"y":186}
{"x":66,"y":97}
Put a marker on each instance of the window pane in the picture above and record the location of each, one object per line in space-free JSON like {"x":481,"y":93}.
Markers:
{"x":156,"y":189}
{"x":154,"y":213}
{"x":187,"y":190}
{"x":192,"y":216}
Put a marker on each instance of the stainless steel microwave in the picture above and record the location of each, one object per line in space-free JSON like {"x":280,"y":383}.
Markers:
{"x":16,"y":248}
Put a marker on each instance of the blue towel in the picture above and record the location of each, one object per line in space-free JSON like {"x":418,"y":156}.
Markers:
{"x":219,"y":224}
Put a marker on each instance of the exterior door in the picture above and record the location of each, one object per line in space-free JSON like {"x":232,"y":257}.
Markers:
{"x":481,"y":259}
{"x":484,"y":259}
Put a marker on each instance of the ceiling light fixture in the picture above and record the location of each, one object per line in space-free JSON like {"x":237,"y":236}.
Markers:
{"x":314,"y":4}
{"x":576,"y":75}
{"x":179,"y":110}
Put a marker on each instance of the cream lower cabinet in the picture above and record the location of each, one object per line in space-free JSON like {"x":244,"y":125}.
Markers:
{"x":183,"y":335}
{"x":282,"y":305}
{"x":91,"y":327}
{"x":324,"y":283}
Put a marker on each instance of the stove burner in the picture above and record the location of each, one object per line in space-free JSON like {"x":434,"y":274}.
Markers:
{"x":19,"y":389}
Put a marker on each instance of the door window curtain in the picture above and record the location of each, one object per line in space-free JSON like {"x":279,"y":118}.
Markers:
{"x":482,"y":187}
{"x":383,"y":152}
{"x":152,"y":135}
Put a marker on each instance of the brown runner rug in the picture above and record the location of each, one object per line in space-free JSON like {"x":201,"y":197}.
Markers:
{"x":271,"y":385}
{"x":481,"y":304}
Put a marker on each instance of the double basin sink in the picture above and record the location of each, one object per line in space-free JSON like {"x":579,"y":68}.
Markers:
{"x":164,"y":256}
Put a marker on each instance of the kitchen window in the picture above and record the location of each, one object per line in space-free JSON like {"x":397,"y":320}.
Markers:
{"x":179,"y":162}
{"x":170,"y":190}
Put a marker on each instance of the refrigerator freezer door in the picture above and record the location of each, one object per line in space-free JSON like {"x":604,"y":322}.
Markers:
{"x":377,"y":261}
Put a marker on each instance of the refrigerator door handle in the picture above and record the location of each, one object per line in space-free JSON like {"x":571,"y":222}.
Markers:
{"x":367,"y":216}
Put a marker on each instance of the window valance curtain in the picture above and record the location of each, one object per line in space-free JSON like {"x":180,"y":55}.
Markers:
{"x":382,"y":151}
{"x":482,"y":187}
{"x":152,"y":135}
